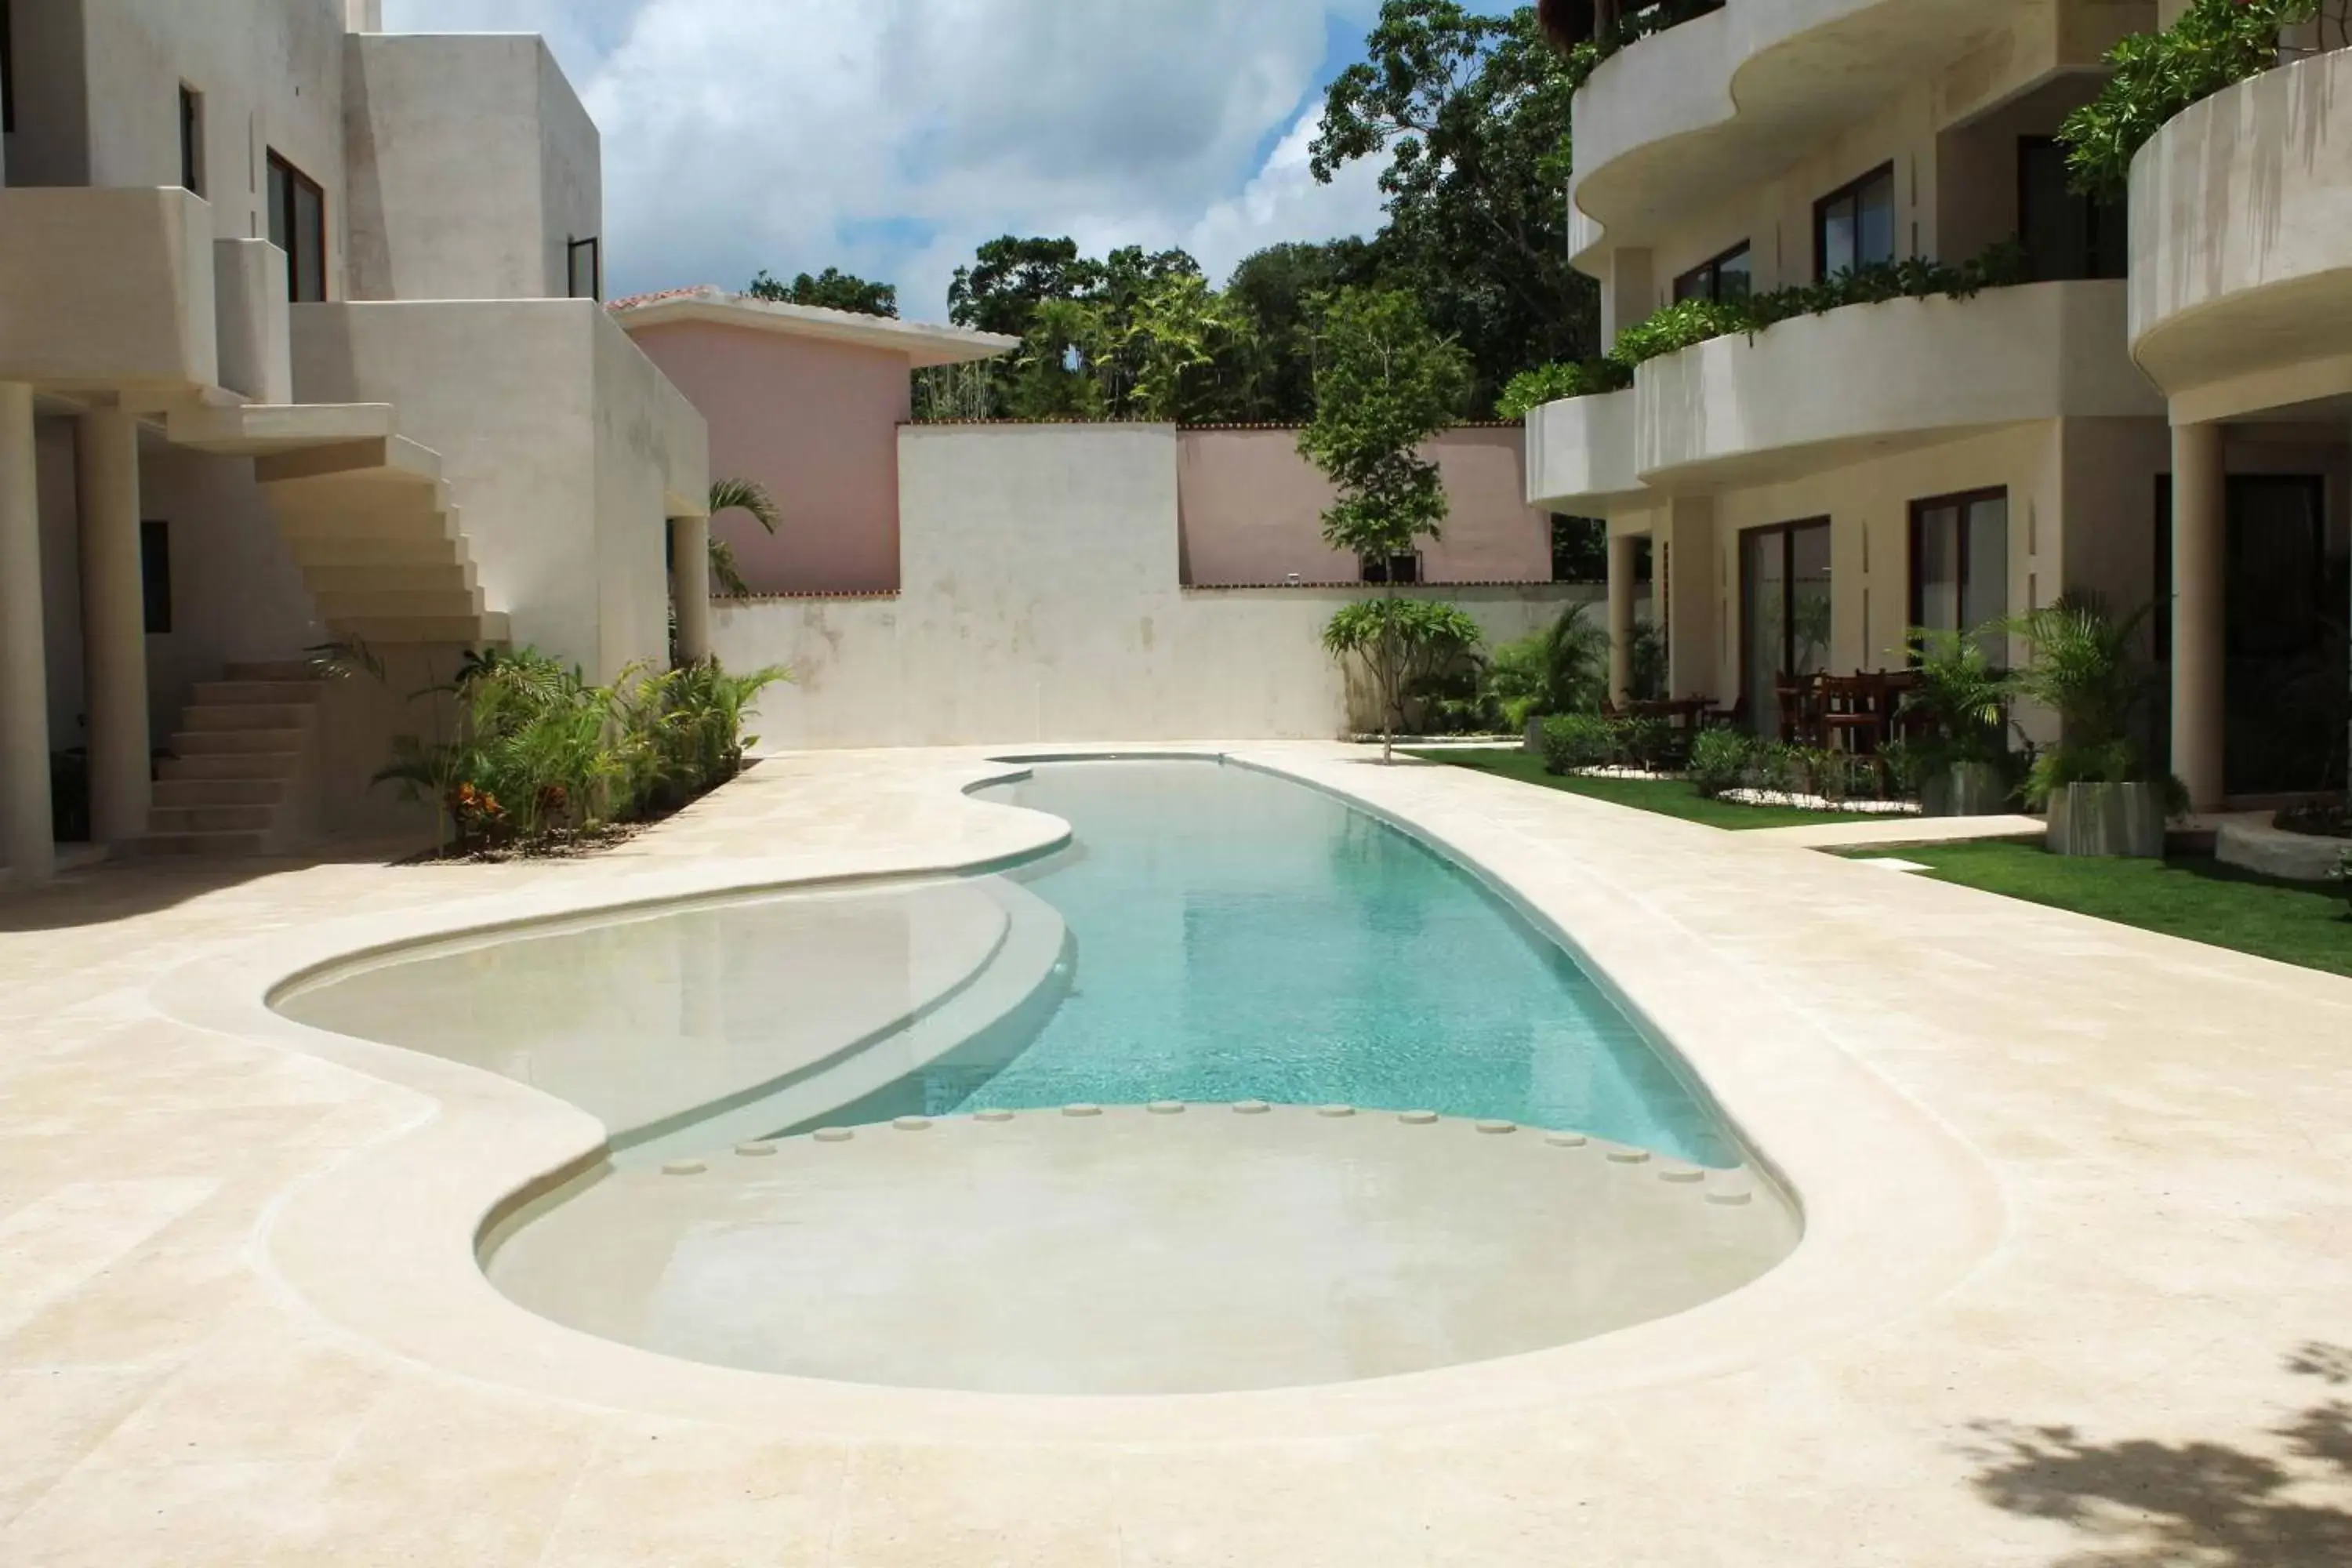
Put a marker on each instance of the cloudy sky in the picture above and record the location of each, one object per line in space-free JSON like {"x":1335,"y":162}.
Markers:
{"x":890,"y":137}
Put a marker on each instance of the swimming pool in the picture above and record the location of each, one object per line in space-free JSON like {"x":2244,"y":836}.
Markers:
{"x":1239,"y":936}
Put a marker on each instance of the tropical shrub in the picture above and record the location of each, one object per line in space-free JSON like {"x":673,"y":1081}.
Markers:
{"x":1963,"y":699}
{"x":1651,"y":744}
{"x":737,"y":495}
{"x":1401,"y":642}
{"x":1562,"y":668}
{"x":1574,"y":741}
{"x":2153,"y":76}
{"x":1531,"y":389}
{"x":2084,"y":669}
{"x":542,"y":757}
{"x":1720,"y":761}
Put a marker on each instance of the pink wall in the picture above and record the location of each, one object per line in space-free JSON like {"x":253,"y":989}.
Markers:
{"x":817,"y":423}
{"x":1251,"y":510}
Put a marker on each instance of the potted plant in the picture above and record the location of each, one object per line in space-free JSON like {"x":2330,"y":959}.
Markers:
{"x":2102,"y":794}
{"x":1961,"y":761}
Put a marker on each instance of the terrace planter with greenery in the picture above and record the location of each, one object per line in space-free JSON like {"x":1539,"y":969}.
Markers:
{"x":1963,"y":761}
{"x":2103,"y":794}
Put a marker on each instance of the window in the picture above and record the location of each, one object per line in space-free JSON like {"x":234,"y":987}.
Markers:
{"x":1854,"y":226}
{"x":586,"y":260}
{"x":1959,"y":564}
{"x":7,"y":73}
{"x":155,"y":574}
{"x":298,"y":226}
{"x":1725,"y":277}
{"x":1405,"y":568}
{"x":192,"y":141}
{"x":2065,"y":235}
{"x":1784,"y":612}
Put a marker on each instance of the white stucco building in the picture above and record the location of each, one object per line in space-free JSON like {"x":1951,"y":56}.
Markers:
{"x":2159,"y":416}
{"x":299,"y":345}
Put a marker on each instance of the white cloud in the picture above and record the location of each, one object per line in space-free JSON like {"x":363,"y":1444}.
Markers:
{"x":890,"y":137}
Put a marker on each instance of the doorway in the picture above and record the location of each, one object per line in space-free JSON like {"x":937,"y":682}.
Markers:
{"x":1784,"y":612}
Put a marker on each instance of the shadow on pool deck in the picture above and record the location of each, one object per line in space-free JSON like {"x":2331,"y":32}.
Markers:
{"x":2154,"y":1504}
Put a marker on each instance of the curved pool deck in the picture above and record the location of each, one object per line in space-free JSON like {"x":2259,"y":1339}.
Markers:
{"x":2075,"y":1199}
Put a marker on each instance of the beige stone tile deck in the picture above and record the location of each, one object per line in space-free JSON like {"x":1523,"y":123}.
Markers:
{"x":2122,"y":1336}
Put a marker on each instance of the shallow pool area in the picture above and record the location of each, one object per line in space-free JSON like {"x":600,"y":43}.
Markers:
{"x":1241,"y":1088}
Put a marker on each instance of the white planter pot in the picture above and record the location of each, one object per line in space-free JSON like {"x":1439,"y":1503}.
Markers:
{"x":2115,"y":819}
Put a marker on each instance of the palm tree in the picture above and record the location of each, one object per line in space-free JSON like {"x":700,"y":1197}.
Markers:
{"x":737,"y":495}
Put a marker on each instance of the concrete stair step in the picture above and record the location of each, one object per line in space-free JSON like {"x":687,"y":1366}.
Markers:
{"x":391,"y":605}
{"x":215,"y":742}
{"x":301,"y":690}
{"x":178,"y":819}
{"x":212,"y":843}
{"x":382,"y":459}
{"x":220,"y":765}
{"x":176,"y":794}
{"x":353,"y":555}
{"x":341,"y":582}
{"x":271,"y":670}
{"x":248,"y":716}
{"x":471,"y":630}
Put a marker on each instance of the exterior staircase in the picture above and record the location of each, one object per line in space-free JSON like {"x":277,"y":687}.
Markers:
{"x":237,"y":781}
{"x":367,"y":513}
{"x":371,"y":523}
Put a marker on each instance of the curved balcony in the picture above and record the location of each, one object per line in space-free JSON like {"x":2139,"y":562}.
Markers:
{"x":2241,"y":245}
{"x":1580,"y":452}
{"x":1682,"y":121}
{"x":1867,"y":380}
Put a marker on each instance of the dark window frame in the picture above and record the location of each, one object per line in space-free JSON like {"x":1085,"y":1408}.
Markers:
{"x":155,"y":575}
{"x":1709,"y":274}
{"x":2233,"y":485}
{"x":192,"y":141}
{"x":594,"y":246}
{"x":283,"y":168}
{"x":1786,"y":533}
{"x":1962,"y":502}
{"x":1852,"y":191}
{"x":7,"y":69}
{"x":1371,"y":569}
{"x":2109,"y":243}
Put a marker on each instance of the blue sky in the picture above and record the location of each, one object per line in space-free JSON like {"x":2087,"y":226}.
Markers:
{"x":890,"y":137}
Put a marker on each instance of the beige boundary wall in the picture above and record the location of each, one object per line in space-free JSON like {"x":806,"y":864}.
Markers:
{"x":1042,"y":601}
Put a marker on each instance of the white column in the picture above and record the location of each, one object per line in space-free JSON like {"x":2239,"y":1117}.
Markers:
{"x":1621,"y":549}
{"x":2200,"y":568}
{"x":689,"y":574}
{"x":113,"y":626}
{"x":25,"y":845}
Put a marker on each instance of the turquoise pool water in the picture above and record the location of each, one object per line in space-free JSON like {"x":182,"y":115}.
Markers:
{"x":1235,"y":936}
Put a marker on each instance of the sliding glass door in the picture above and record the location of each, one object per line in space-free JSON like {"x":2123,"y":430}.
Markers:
{"x":1784,"y":613}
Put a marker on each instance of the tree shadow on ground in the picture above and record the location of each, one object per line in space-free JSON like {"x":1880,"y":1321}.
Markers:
{"x":2154,"y":1505}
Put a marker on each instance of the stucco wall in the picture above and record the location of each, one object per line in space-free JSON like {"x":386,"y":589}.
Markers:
{"x":546,"y":421}
{"x":1042,"y":602}
{"x":271,"y":72}
{"x":471,"y":164}
{"x":1251,"y":510}
{"x":815,"y":422}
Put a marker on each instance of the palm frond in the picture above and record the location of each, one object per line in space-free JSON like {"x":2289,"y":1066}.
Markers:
{"x":745,"y":495}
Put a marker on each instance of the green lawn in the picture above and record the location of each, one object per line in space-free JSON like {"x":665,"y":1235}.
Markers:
{"x":2198,"y":898}
{"x":1668,"y":797}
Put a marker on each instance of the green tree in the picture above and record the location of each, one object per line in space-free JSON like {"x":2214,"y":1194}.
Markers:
{"x":1185,"y":345}
{"x":834,"y":290}
{"x":1009,"y":277}
{"x":1473,"y":113}
{"x":1387,"y":383}
{"x":1401,"y":643}
{"x":1055,"y":375}
{"x":1280,"y":292}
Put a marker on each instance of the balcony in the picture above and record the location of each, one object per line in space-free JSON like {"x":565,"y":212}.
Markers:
{"x":1580,"y":453}
{"x":1683,"y":121}
{"x":2241,"y":245}
{"x":1867,"y":380}
{"x":109,"y":290}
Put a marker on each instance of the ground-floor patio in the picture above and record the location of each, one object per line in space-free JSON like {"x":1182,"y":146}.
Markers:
{"x":2071,"y":1290}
